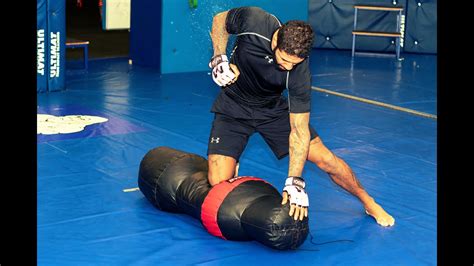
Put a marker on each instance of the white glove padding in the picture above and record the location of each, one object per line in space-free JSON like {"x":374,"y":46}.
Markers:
{"x":222,"y":74}
{"x":294,"y":186}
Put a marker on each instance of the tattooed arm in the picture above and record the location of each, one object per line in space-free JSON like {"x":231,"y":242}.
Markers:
{"x":219,"y":34}
{"x":299,"y":146}
{"x":299,"y":143}
{"x":224,"y":73}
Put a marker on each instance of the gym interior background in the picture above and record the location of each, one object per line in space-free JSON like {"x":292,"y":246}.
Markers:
{"x":84,"y":22}
{"x":148,"y":85}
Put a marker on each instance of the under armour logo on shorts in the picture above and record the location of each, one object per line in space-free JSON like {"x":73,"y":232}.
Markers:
{"x":215,"y":140}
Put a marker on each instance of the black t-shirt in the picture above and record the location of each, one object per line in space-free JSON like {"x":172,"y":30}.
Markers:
{"x":261,"y":83}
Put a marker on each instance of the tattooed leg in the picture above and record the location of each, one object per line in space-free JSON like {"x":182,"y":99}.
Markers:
{"x":342,"y":175}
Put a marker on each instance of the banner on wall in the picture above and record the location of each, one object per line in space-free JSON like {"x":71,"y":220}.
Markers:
{"x":57,"y":44}
{"x":41,"y":47}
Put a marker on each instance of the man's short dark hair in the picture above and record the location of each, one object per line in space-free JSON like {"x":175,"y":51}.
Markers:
{"x":295,"y":37}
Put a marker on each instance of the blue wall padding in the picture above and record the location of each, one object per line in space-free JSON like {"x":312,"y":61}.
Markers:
{"x":187,"y":45}
{"x":42,"y":48}
{"x":333,"y":22}
{"x":421,"y":33}
{"x":184,"y":37}
{"x":57,"y":44}
{"x":145,"y":33}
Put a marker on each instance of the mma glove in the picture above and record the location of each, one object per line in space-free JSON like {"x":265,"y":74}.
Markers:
{"x":222,"y":74}
{"x":294,"y":186}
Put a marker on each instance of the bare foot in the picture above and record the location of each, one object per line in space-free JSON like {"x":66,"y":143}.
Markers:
{"x":380,"y":215}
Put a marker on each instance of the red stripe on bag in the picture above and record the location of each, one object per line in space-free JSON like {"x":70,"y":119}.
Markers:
{"x":213,"y":201}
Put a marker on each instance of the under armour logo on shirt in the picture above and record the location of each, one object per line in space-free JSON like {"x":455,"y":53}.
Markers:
{"x":215,"y":140}
{"x":269,"y":59}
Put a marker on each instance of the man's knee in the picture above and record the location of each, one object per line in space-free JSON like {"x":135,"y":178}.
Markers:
{"x":325,"y":161}
{"x":321,"y":156}
{"x":221,"y":168}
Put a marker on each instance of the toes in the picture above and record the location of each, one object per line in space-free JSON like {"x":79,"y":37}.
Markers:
{"x":392,"y":221}
{"x":382,"y":222}
{"x":387,"y":221}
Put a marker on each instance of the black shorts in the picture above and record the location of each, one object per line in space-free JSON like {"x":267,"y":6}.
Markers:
{"x":229,"y":135}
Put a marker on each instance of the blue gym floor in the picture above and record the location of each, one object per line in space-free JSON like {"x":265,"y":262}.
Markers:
{"x":87,"y":215}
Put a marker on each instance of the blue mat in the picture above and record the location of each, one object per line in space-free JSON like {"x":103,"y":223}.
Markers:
{"x":410,"y":83}
{"x":86,"y":218}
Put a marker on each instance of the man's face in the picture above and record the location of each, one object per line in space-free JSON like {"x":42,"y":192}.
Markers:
{"x":286,"y":61}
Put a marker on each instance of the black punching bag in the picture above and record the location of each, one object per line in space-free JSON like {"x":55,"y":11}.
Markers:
{"x":241,"y":208}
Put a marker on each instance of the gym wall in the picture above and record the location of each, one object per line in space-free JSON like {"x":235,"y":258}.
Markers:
{"x":333,"y":22}
{"x":182,"y":43}
{"x":421,"y":27}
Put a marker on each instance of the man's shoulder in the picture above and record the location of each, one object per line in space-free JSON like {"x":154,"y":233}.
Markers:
{"x":255,"y":18}
{"x":252,"y":11}
{"x":302,"y":68}
{"x":262,"y":16}
{"x":300,"y":76}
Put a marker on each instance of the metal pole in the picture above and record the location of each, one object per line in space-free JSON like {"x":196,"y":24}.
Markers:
{"x":353,"y":35}
{"x":399,"y":17}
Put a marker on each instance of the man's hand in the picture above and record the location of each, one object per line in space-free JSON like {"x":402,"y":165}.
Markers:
{"x":222,"y":72}
{"x":294,"y":190}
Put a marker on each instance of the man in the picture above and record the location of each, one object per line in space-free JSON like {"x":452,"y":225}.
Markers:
{"x":268,"y":58}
